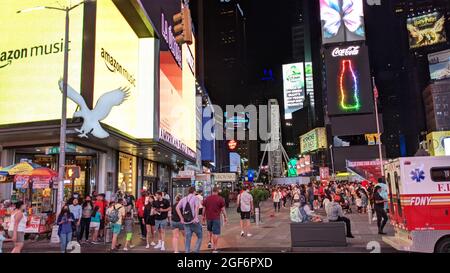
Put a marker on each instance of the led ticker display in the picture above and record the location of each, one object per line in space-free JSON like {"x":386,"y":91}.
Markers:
{"x":342,"y":21}
{"x":426,"y":30}
{"x":349,"y":89}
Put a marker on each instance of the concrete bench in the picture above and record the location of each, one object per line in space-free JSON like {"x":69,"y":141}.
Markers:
{"x":325,"y":234}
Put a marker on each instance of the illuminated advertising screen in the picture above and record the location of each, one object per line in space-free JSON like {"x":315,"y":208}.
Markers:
{"x":294,"y":88}
{"x":349,"y":89}
{"x":177,"y":91}
{"x":426,"y":30}
{"x":342,"y":21}
{"x":313,"y":140}
{"x":439,"y":64}
{"x":32,"y":59}
{"x":123,"y":60}
{"x":309,"y":81}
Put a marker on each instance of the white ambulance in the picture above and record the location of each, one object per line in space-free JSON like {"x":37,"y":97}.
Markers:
{"x":419,"y":203}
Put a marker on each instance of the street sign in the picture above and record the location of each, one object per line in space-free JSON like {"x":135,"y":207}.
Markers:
{"x":70,"y":148}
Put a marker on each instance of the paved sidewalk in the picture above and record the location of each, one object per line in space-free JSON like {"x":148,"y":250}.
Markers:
{"x":272,"y":235}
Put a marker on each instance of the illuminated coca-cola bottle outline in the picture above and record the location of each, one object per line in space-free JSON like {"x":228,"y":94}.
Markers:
{"x":356,"y":105}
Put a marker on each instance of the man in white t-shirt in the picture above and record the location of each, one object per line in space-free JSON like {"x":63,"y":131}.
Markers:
{"x":245,"y":201}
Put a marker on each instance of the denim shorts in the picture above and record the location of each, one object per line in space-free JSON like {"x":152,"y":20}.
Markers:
{"x":214,"y":226}
{"x":177,"y":225}
{"x":160,"y":224}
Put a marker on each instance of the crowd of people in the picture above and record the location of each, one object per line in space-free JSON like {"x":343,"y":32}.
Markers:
{"x":336,"y":199}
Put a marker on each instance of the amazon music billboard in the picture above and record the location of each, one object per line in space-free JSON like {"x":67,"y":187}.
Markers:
{"x":349,"y":88}
{"x":123,"y":60}
{"x":31,"y":64}
{"x":31,"y":61}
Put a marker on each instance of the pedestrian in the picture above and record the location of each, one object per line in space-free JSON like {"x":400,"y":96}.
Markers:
{"x":96,"y":219}
{"x":337,"y":215}
{"x":379,"y":202}
{"x":176,"y":225}
{"x":102,"y":204}
{"x":310,"y":195}
{"x":199,"y":195}
{"x":76,"y":210}
{"x":115,"y":217}
{"x":2,"y":238}
{"x":86,"y":213}
{"x":65,"y":227}
{"x":162,"y":207}
{"x":187,"y":210}
{"x":214,"y":206}
{"x":149,"y":221}
{"x":276,"y":197}
{"x":140,"y":206}
{"x":245,"y":207}
{"x":128,"y":226}
{"x":17,"y":226}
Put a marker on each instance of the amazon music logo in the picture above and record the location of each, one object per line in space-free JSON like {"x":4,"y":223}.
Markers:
{"x":114,"y":66}
{"x":7,"y":57}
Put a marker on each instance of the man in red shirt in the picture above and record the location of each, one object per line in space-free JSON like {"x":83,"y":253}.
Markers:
{"x":213,"y":206}
{"x":140,"y":206}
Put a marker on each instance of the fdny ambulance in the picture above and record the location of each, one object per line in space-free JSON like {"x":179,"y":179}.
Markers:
{"x":419,"y":203}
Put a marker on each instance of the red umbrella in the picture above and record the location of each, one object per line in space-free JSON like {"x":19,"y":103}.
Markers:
{"x":43,"y":173}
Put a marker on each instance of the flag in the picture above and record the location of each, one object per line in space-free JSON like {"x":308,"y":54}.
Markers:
{"x":375,"y":91}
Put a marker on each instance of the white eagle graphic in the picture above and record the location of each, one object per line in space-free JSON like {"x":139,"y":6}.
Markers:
{"x":92,"y":118}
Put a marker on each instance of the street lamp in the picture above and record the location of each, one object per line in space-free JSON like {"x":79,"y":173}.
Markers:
{"x":62,"y":139}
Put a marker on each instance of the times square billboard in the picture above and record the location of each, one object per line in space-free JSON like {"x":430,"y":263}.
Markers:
{"x":342,"y":21}
{"x":349,"y":89}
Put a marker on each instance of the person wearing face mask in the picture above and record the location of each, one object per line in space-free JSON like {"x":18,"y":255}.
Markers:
{"x":86,"y":213}
{"x":17,"y":226}
{"x":65,"y":220}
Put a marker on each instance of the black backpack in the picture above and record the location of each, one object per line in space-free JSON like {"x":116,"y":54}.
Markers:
{"x":188,"y":215}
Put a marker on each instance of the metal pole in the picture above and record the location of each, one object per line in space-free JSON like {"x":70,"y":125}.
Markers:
{"x":332,"y":159}
{"x":378,"y":130}
{"x":62,"y":133}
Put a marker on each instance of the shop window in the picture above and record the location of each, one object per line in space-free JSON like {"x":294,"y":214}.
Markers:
{"x":127,"y":173}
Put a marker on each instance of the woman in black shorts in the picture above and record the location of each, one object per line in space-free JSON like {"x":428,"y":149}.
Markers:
{"x":149,"y":218}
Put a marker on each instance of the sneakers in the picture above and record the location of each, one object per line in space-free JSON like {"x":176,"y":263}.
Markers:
{"x":162,"y":248}
{"x":242,"y":234}
{"x":209,"y":245}
{"x":153,"y":243}
{"x":147,"y":246}
{"x":125,"y":249}
{"x":249,"y":235}
{"x":132,"y":246}
{"x":215,"y":251}
{"x":158,"y":246}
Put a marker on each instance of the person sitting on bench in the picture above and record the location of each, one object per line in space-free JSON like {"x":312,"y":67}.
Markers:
{"x":336,"y":215}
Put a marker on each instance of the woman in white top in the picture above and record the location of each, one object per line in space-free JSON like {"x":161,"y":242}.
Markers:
{"x":17,"y":227}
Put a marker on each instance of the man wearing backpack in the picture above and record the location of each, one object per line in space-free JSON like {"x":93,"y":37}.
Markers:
{"x":188,"y":209}
{"x":115,"y":215}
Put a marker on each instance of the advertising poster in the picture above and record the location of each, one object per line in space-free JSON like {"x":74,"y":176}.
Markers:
{"x":123,"y":60}
{"x":313,"y":140}
{"x":349,"y":88}
{"x":32,"y":59}
{"x":426,"y":30}
{"x":439,"y":64}
{"x":177,"y":90}
{"x":342,"y":21}
{"x":294,"y":88}
{"x":309,"y":81}
{"x":235,"y":163}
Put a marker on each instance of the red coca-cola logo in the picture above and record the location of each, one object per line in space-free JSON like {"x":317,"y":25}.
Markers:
{"x":344,"y":52}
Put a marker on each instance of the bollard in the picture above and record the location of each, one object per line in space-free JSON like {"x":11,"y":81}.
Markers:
{"x":257,"y":216}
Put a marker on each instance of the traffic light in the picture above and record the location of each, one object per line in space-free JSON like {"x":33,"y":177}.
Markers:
{"x":183,"y":26}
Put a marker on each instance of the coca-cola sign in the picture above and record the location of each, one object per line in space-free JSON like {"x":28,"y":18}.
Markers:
{"x":345,"y":52}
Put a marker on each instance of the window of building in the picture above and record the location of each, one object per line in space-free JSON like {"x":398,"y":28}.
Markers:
{"x":127,"y":173}
{"x":440,"y":174}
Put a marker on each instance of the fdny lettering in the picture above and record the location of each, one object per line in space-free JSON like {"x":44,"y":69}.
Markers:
{"x":420,"y":201}
{"x":444,"y":187}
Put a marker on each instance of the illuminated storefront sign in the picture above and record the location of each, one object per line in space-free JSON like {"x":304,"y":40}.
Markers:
{"x":169,"y":37}
{"x":313,"y":141}
{"x":426,"y":30}
{"x":31,"y":61}
{"x":342,"y":21}
{"x":293,"y":85}
{"x":349,"y":89}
